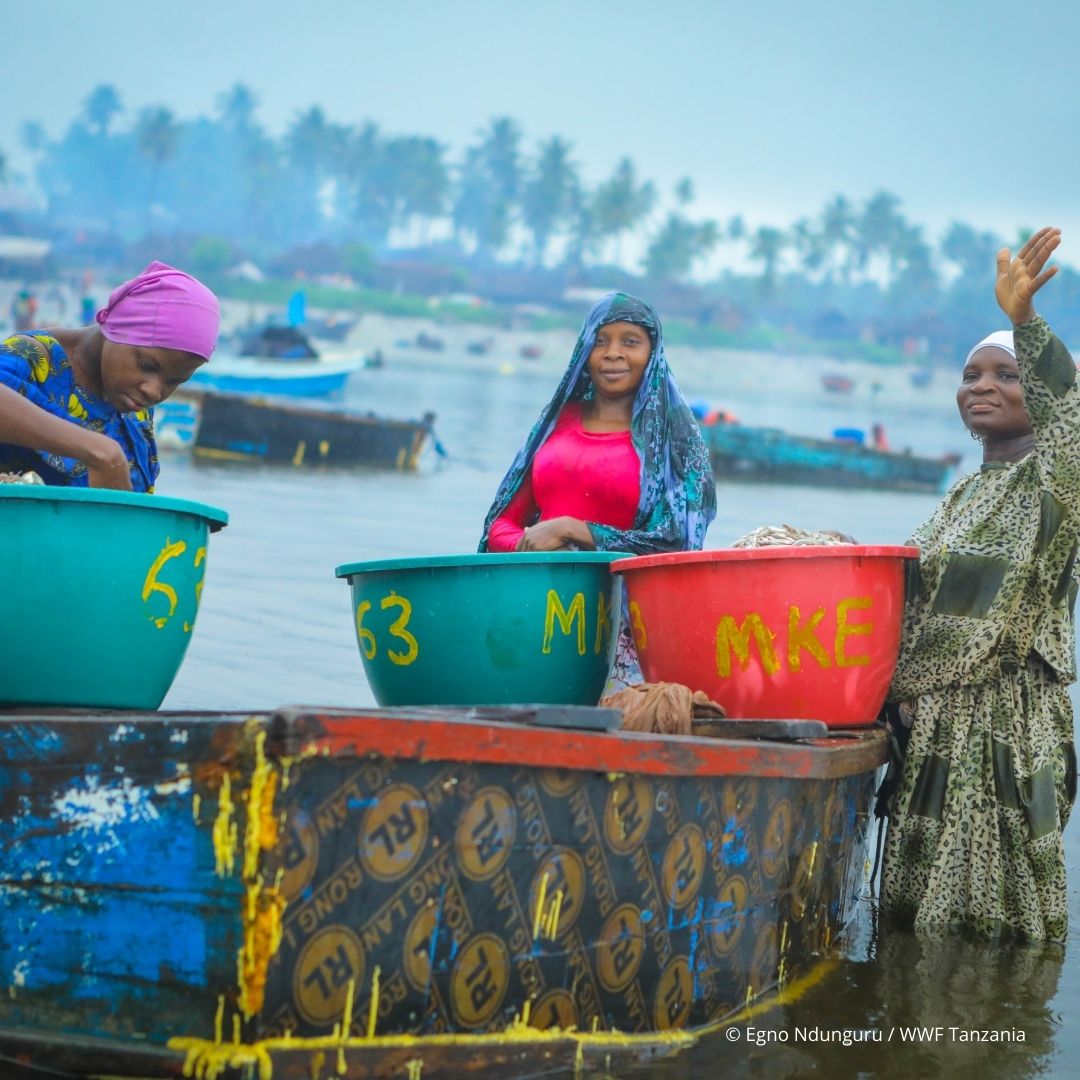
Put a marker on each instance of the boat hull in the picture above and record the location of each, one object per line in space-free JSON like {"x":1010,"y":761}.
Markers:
{"x":392,"y":886}
{"x":770,"y":455}
{"x":235,"y":427}
{"x":293,"y":378}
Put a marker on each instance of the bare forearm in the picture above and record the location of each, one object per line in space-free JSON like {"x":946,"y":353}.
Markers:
{"x":22,"y":423}
{"x":576,"y":532}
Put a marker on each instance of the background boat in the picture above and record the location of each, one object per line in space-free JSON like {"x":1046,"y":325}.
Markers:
{"x":751,"y":453}
{"x":243,"y":427}
{"x":277,"y":360}
{"x":451,"y":885}
{"x":837,"y":384}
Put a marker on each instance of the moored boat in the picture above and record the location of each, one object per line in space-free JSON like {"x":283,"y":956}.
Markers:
{"x":242,"y":427}
{"x":837,"y":384}
{"x":407,"y":892}
{"x":768,"y":454}
{"x":277,"y":360}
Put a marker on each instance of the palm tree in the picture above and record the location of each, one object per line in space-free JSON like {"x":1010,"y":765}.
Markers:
{"x":313,"y":147}
{"x":837,"y":227}
{"x":810,"y":246}
{"x":418,"y":179}
{"x":767,"y":246}
{"x":547,"y":200}
{"x":237,"y":107}
{"x":100,"y":108}
{"x":915,"y":282}
{"x":970,"y":251}
{"x":878,"y":229}
{"x":158,"y":136}
{"x":677,"y":246}
{"x":363,"y":167}
{"x":489,"y":181}
{"x":621,"y":203}
{"x":684,"y":191}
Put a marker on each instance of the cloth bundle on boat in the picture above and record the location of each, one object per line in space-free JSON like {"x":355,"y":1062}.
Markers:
{"x":662,"y":707}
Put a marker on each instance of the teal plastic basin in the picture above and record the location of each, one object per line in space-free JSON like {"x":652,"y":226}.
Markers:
{"x":486,"y":629}
{"x":98,"y":594}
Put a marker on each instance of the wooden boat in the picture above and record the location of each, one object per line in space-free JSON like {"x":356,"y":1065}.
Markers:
{"x":406,"y":893}
{"x":277,"y":360}
{"x":241,"y":427}
{"x":837,"y":384}
{"x":767,"y":454}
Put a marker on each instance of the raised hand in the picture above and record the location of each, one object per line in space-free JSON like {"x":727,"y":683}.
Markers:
{"x":1020,"y":278}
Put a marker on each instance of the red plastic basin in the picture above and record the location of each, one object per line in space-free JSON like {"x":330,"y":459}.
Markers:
{"x":773,"y":633}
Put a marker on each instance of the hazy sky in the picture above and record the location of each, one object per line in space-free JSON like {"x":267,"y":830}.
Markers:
{"x":966,"y":109}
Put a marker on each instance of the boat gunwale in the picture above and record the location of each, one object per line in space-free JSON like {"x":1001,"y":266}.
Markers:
{"x":462,"y":735}
{"x":445,"y":734}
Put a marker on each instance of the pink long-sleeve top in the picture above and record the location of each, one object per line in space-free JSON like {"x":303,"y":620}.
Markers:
{"x":591,"y":476}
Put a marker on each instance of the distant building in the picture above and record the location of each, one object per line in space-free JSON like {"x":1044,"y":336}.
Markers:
{"x":25,"y":257}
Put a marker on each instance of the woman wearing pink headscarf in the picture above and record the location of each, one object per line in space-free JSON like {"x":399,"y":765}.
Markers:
{"x":76,"y":406}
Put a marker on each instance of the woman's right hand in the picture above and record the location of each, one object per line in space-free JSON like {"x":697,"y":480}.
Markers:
{"x":1019,"y":279}
{"x":106,"y":466}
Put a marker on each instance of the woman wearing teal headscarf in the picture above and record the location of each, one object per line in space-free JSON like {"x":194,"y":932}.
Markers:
{"x":653,"y":493}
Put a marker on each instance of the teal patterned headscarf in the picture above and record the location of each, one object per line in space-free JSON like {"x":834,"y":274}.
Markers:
{"x":678,"y":492}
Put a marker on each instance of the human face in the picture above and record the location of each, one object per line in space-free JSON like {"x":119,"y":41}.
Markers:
{"x":990,"y":398}
{"x":618,"y":358}
{"x":135,"y":377}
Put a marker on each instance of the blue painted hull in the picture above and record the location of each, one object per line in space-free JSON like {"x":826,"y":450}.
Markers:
{"x":316,"y":384}
{"x":203,"y":894}
{"x":767,"y":454}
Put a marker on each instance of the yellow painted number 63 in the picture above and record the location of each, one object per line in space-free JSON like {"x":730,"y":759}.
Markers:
{"x":366,"y":638}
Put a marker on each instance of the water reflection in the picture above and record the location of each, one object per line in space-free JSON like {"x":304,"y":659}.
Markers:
{"x":898,"y":1005}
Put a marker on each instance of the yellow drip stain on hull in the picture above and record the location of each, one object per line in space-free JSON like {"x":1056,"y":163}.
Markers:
{"x":208,"y":1060}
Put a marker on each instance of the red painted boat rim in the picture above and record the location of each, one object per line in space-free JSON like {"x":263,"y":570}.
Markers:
{"x":725,"y":555}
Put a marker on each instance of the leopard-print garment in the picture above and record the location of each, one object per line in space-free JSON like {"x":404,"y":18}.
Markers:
{"x":988,"y":649}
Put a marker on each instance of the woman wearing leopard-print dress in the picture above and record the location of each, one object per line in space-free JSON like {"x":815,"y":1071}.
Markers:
{"x":989,"y":776}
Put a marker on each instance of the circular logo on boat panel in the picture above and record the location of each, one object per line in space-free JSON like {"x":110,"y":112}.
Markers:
{"x":764,"y":963}
{"x":559,"y":782}
{"x":331,"y":960}
{"x":485,"y":833}
{"x":726,"y":927}
{"x":806,"y":873}
{"x":299,"y":851}
{"x":479,"y":981}
{"x":737,"y":802}
{"x":416,"y":950}
{"x":620,"y":948}
{"x":558,"y":889}
{"x":627,"y":813}
{"x":393,"y":832}
{"x":556,"y":1009}
{"x":684,"y":865}
{"x":674,"y":995}
{"x":774,"y":843}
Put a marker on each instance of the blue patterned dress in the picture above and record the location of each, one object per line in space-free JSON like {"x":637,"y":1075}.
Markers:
{"x":36,"y":366}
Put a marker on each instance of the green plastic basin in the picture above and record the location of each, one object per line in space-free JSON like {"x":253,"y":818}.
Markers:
{"x":486,"y":629}
{"x":98,"y":594}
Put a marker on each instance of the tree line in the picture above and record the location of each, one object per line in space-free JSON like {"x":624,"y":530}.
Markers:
{"x":500,"y":201}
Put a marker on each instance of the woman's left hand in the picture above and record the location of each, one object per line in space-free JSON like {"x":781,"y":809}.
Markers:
{"x":557,"y":534}
{"x":1019,"y":279}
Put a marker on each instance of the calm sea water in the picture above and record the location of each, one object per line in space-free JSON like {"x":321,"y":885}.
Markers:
{"x":275,"y":628}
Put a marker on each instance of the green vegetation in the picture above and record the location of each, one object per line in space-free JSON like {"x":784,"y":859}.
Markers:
{"x":398,"y":216}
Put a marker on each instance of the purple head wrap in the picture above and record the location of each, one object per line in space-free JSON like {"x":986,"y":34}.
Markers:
{"x":162,"y":308}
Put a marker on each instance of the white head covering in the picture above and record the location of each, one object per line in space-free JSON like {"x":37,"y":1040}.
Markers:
{"x":999,"y":339}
